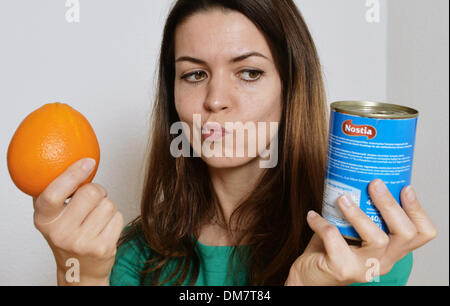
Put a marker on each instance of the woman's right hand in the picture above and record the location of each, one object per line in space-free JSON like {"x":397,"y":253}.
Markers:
{"x":85,"y":230}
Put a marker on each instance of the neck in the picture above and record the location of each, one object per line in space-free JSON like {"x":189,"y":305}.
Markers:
{"x":232,"y":185}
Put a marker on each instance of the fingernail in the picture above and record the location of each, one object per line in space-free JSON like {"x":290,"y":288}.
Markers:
{"x":346,"y":200}
{"x":88,"y":164}
{"x":410,"y":194}
{"x":312,"y":214}
{"x":380,"y":187}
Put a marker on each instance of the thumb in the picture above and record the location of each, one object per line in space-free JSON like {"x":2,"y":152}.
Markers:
{"x":50,"y":202}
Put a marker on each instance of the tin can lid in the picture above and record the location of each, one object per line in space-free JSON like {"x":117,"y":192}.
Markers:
{"x":374,"y":110}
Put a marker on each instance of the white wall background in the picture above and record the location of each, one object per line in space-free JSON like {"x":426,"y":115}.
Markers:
{"x":418,"y":76}
{"x":104,"y":66}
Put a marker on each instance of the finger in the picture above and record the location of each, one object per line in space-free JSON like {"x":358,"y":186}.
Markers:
{"x":426,"y":230}
{"x":99,"y":217}
{"x":315,"y":245}
{"x":84,"y":201}
{"x":50,"y":203}
{"x":334,"y":243}
{"x":370,"y":233}
{"x":395,"y":217}
{"x":112,"y":231}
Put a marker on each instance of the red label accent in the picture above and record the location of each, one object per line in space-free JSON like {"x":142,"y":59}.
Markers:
{"x":350,"y":129}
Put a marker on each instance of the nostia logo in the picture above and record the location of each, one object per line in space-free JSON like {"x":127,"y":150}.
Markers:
{"x":350,"y":129}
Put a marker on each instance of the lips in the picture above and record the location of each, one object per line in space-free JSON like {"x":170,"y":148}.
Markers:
{"x":213,"y":132}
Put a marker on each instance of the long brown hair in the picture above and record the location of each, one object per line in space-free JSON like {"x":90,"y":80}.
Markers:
{"x":178,"y":195}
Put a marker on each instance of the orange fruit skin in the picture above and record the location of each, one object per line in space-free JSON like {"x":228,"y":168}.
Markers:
{"x":46,"y":143}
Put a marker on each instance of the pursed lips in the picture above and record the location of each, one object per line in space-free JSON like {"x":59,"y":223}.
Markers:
{"x":213,"y":131}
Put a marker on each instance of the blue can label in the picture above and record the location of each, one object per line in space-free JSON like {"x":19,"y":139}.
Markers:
{"x":360,"y":150}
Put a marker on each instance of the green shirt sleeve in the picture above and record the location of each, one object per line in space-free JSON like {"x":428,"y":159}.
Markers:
{"x":398,"y":276}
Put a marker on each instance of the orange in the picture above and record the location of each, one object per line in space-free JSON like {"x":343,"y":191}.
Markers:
{"x":46,"y":143}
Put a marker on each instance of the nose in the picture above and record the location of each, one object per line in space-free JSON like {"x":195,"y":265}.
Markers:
{"x":218,"y":97}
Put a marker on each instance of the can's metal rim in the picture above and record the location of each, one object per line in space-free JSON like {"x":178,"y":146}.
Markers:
{"x":377,"y":110}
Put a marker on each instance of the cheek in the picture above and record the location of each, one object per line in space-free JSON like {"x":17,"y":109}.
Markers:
{"x":187,"y":103}
{"x":263,"y":105}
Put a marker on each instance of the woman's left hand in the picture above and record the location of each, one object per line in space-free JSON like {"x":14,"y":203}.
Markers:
{"x":329,"y":260}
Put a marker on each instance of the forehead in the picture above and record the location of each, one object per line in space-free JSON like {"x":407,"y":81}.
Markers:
{"x":217,"y":33}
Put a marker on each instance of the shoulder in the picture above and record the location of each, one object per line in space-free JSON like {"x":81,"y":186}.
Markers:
{"x":398,"y":276}
{"x":130,"y":261}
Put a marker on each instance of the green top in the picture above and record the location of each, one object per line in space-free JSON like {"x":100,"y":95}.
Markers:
{"x":131,"y":257}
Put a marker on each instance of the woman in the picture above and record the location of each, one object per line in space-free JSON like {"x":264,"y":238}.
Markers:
{"x":221,"y":220}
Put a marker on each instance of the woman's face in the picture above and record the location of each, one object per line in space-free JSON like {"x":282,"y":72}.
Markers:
{"x":226,"y":75}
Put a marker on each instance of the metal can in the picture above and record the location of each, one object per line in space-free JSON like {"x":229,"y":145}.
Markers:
{"x":367,"y":140}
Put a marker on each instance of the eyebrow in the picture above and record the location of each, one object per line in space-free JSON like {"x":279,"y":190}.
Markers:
{"x":240,"y":58}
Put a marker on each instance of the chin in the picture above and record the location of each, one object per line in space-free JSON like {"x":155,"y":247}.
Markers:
{"x":228,"y":162}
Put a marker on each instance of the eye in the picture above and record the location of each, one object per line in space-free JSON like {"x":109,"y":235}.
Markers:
{"x":194,"y":77}
{"x":251,"y":75}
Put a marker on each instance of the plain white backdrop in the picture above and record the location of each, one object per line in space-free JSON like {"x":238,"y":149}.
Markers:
{"x":105,"y":65}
